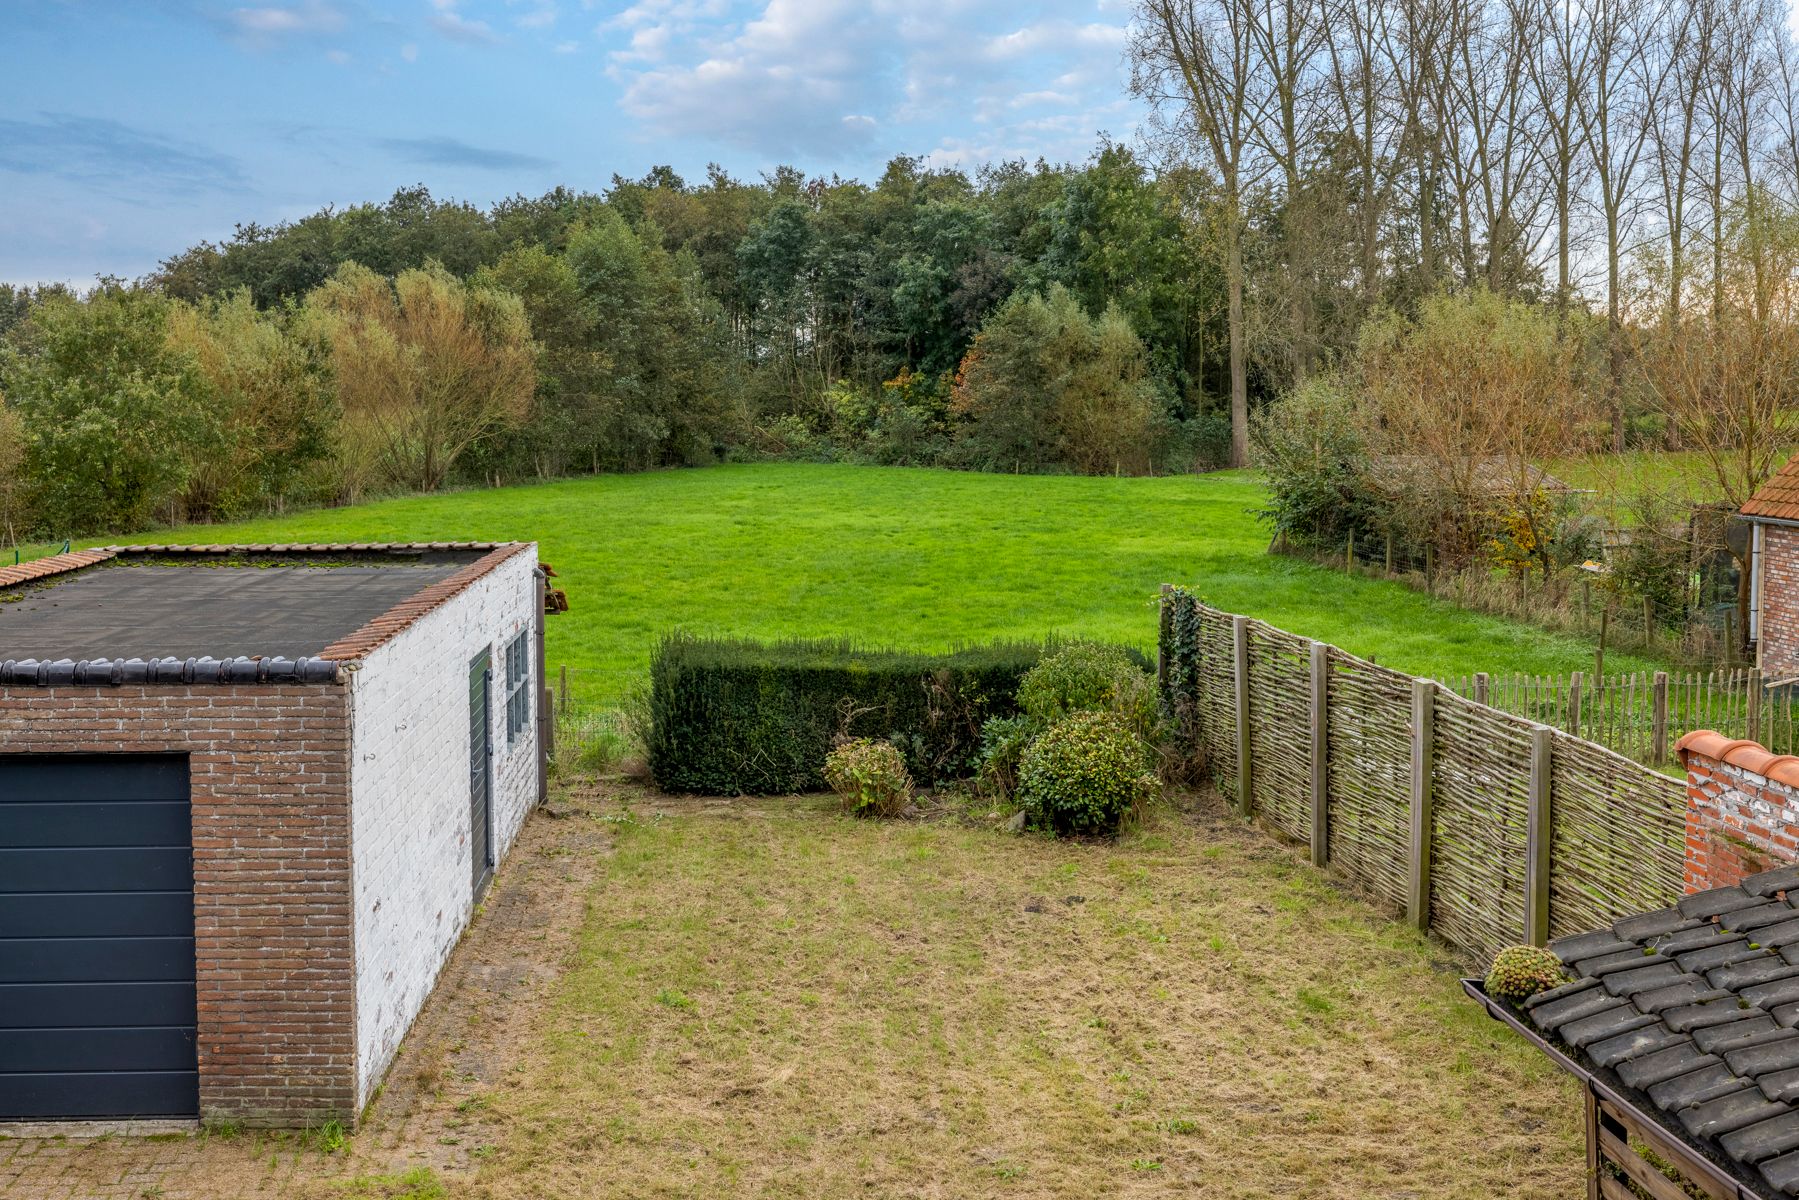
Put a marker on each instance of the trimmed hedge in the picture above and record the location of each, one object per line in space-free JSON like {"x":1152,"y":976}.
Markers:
{"x":733,"y":717}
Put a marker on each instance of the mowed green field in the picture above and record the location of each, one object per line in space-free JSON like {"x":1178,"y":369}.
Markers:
{"x":916,"y":558}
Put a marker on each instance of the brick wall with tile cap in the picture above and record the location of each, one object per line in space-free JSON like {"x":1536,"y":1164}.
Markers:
{"x":1742,"y":809}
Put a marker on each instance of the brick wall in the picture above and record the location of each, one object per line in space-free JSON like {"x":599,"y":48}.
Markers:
{"x":1742,"y":809}
{"x":270,"y":780}
{"x":410,"y":779}
{"x":1777,"y":634}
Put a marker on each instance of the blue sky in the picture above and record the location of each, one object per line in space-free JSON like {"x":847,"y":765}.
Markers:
{"x":130,"y":129}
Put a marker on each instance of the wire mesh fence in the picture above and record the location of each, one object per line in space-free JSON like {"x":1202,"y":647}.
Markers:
{"x":592,"y":708}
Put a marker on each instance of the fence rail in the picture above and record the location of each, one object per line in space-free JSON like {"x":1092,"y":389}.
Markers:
{"x":1485,"y":826}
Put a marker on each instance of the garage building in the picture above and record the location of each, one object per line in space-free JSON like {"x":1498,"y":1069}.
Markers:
{"x":249,"y":798}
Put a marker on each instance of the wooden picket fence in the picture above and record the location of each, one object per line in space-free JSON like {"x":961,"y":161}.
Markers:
{"x":1643,"y":714}
{"x":1486,"y":827}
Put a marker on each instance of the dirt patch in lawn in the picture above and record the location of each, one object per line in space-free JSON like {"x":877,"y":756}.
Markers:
{"x":769,"y":999}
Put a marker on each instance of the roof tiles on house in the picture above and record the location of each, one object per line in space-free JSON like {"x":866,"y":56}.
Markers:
{"x":1778,"y":498}
{"x":1697,"y":1009}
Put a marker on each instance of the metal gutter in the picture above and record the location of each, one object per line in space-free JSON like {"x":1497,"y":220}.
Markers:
{"x":1705,"y":1171}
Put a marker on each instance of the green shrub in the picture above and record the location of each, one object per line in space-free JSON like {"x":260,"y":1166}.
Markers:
{"x":1520,"y":972}
{"x":870,"y":776}
{"x":1089,"y":677}
{"x":1085,"y":774}
{"x":1003,"y":742}
{"x":734,"y":717}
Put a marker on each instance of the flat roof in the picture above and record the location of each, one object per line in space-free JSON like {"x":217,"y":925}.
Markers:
{"x":223,"y":602}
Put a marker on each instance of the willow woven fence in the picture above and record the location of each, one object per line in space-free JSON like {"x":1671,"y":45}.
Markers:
{"x":1486,"y":827}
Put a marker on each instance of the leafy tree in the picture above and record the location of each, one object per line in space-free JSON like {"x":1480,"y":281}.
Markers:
{"x":663,"y":395}
{"x":113,"y":414}
{"x":270,"y":391}
{"x":426,"y":368}
{"x":13,"y":512}
{"x":1046,"y":384}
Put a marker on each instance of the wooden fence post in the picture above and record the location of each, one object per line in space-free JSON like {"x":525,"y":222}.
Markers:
{"x":1574,"y":698}
{"x":1659,"y":748}
{"x":1320,"y":754}
{"x":1164,"y":625}
{"x":1539,"y":839}
{"x":1423,"y":754}
{"x":1389,"y":554}
{"x":1755,"y":705}
{"x":1240,"y":654}
{"x":1482,"y":682}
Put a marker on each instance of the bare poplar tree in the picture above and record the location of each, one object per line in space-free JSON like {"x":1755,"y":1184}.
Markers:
{"x":1286,"y":40}
{"x":1361,"y":93}
{"x":1615,"y":121}
{"x":1559,"y":63}
{"x":1193,"y":62}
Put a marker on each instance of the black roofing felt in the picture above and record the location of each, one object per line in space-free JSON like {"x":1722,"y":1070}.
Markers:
{"x":163,"y":610}
{"x":1696,"y":1007}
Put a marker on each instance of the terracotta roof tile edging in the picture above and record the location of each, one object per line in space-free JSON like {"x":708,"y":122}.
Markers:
{"x":1741,"y":753}
{"x":378,"y":632}
{"x":75,"y":560}
{"x":55,"y":564}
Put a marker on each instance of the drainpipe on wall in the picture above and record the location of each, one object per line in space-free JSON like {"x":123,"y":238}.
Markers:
{"x":1757,"y":532}
{"x":546,"y":718}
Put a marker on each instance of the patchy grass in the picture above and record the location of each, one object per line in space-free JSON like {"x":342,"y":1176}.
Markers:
{"x":922,"y":559}
{"x":420,"y":1183}
{"x":772,"y":1000}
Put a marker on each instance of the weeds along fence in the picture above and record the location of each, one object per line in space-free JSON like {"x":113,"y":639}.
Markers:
{"x":1485,"y":827}
{"x":1643,"y":714}
{"x":590,"y":722}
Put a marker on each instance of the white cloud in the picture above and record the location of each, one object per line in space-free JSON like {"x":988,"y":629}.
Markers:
{"x":339,"y":57}
{"x":567,"y":47}
{"x":815,"y":79}
{"x":1034,"y":39}
{"x":458,"y":28}
{"x":267,"y":26}
{"x":540,"y":17}
{"x":409,"y":51}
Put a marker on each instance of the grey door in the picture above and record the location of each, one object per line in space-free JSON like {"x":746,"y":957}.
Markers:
{"x":480,"y":773}
{"x":96,"y":937}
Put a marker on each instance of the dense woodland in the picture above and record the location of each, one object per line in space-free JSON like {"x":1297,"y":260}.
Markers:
{"x":1448,"y":230}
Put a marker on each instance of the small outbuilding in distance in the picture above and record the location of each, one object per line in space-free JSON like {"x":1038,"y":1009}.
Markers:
{"x":1773,"y":516}
{"x":249,"y":799}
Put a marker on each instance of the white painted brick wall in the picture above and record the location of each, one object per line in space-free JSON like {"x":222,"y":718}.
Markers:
{"x":409,"y":788}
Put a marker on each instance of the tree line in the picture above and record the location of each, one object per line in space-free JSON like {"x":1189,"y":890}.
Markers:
{"x":1323,"y":187}
{"x":1022,"y":317}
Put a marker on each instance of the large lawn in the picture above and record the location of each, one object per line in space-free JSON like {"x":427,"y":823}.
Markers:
{"x":919,"y":558}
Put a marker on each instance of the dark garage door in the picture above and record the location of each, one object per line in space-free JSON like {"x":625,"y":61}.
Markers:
{"x":96,"y":937}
